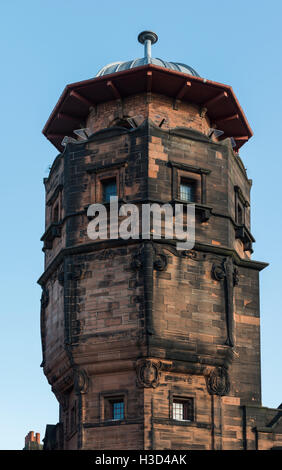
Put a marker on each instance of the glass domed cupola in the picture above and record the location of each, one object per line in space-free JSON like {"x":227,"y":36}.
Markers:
{"x":147,"y":38}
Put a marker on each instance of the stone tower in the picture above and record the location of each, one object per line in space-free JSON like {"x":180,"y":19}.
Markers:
{"x":146,"y":346}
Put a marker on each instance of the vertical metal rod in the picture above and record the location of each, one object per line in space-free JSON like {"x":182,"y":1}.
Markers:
{"x":147,"y":49}
{"x":147,"y":38}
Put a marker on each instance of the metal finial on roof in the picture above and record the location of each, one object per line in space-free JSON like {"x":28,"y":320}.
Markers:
{"x":147,"y":38}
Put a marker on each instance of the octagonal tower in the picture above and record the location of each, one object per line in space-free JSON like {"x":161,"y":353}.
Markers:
{"x":146,"y":346}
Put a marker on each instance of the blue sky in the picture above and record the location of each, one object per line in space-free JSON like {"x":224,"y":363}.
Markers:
{"x":44,"y":46}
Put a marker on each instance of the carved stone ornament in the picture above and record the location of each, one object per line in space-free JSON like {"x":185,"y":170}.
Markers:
{"x":44,"y":297}
{"x":148,"y":373}
{"x":191,"y":254}
{"x":221,"y":269}
{"x":81,"y":381}
{"x":218,"y":381}
{"x":160,"y":262}
{"x":159,"y":258}
{"x":218,"y":271}
{"x":235,"y":277}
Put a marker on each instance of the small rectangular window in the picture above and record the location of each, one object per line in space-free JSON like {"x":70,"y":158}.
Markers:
{"x":114,"y":408}
{"x":109,"y":188}
{"x":183,"y":409}
{"x":118,"y":409}
{"x":187,"y":191}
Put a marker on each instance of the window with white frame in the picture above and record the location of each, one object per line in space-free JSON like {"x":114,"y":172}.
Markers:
{"x":183,"y":409}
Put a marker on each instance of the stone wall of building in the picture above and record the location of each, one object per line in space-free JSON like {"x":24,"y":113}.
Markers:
{"x":140,"y":321}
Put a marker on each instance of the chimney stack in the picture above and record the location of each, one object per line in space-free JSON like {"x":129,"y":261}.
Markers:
{"x":32,"y":442}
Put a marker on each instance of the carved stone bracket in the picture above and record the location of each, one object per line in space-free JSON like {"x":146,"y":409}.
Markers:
{"x":190,"y":254}
{"x":217,"y":381}
{"x":204,"y":212}
{"x":224,"y":270}
{"x":159,"y":258}
{"x":160,"y":262}
{"x":54,"y":231}
{"x":235,"y":277}
{"x":148,"y":373}
{"x":218,"y":271}
{"x":243,"y":234}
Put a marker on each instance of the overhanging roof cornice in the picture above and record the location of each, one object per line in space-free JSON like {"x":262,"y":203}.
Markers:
{"x":222,"y":105}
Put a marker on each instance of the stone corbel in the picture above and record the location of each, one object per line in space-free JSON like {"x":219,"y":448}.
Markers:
{"x":54,"y":231}
{"x":204,"y":212}
{"x":243,"y":234}
{"x":190,"y":254}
